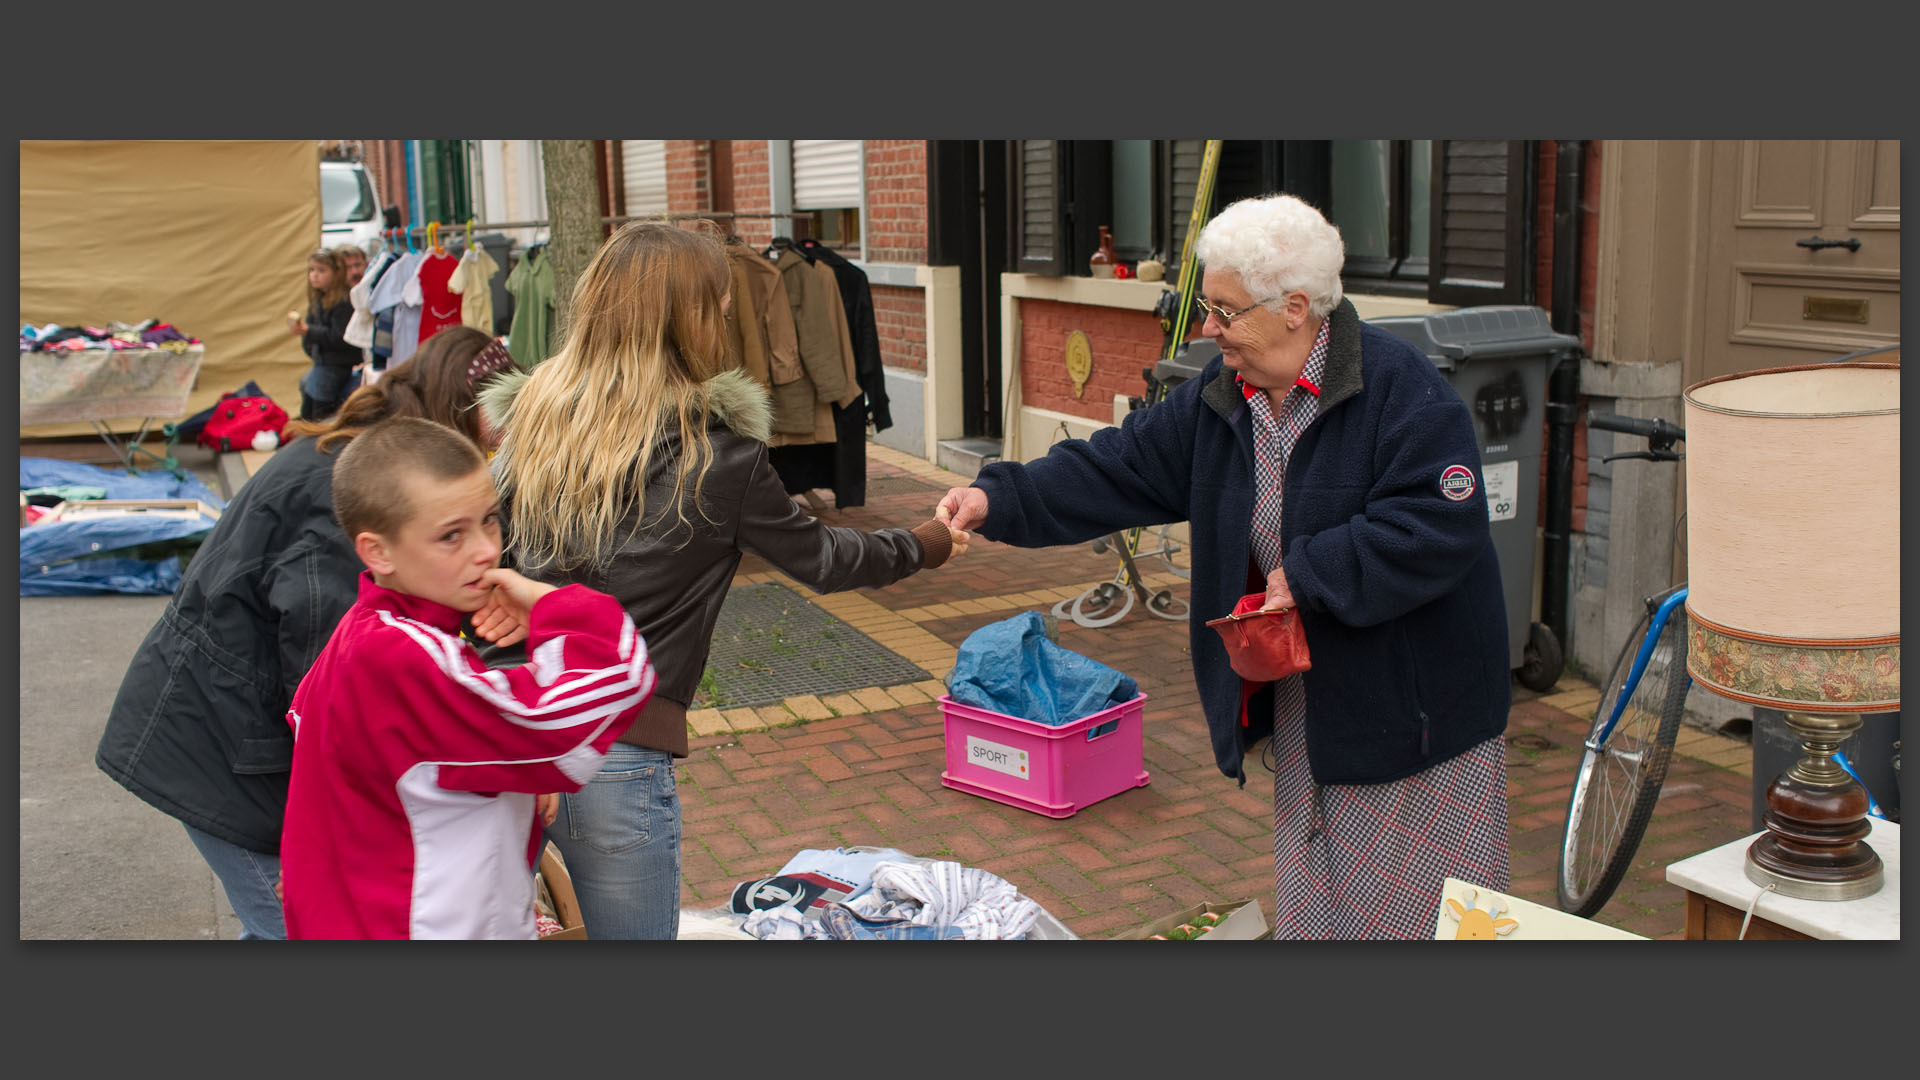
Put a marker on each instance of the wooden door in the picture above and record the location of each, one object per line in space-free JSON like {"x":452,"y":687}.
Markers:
{"x":1770,"y":301}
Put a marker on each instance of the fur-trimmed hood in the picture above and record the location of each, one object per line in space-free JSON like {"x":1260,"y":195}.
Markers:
{"x":736,"y":400}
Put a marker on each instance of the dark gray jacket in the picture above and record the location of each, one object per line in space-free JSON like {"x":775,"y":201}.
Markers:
{"x":199,"y":728}
{"x":672,"y":577}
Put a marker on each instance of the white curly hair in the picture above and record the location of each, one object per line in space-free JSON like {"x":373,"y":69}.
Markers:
{"x":1277,"y":244}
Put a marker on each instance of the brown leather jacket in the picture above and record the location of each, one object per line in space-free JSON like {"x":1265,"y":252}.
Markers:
{"x":672,"y":577}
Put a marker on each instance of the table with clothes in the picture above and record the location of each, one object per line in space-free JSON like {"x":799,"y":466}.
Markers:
{"x":86,"y":374}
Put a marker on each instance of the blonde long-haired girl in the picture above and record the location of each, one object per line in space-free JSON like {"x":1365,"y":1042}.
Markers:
{"x":634,"y":461}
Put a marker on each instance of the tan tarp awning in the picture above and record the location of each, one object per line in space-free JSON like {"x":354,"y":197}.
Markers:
{"x":212,"y":236}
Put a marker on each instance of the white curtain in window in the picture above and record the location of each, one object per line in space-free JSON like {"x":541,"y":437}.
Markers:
{"x":643,"y":164}
{"x":827,"y":173}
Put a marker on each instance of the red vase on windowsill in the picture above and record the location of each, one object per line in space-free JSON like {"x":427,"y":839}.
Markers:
{"x":1104,"y":260}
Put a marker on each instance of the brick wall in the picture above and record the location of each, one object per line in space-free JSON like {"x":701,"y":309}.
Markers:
{"x":385,"y":160}
{"x":896,"y":222}
{"x":900,"y":315}
{"x":1123,"y":343}
{"x":687,"y":164}
{"x":752,"y":190}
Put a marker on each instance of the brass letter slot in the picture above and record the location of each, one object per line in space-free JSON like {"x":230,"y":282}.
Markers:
{"x":1834,"y":309}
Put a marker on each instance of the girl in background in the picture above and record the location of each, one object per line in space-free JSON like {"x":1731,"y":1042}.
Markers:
{"x":323,"y":333}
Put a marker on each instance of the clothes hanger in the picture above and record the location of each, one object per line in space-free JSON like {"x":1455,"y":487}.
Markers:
{"x":469,"y":234}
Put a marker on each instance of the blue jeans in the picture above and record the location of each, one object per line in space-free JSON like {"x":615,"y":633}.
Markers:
{"x":620,"y":835}
{"x":248,"y":878}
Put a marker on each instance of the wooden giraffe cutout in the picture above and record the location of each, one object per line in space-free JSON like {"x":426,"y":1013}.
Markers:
{"x":1478,"y":924}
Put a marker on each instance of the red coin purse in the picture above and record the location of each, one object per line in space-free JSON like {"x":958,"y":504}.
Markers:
{"x":1263,"y":645}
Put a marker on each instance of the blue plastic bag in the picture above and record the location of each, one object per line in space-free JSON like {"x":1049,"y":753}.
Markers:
{"x":1011,"y":668}
{"x":92,"y":577}
{"x":38,"y":472}
{"x":72,"y":558}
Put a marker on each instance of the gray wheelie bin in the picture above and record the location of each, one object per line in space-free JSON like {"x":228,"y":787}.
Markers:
{"x":1497,"y":359}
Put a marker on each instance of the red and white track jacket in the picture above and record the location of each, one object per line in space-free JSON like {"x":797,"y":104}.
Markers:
{"x":410,"y":807}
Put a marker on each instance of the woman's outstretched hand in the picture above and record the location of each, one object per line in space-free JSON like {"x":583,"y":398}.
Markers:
{"x":962,"y":508}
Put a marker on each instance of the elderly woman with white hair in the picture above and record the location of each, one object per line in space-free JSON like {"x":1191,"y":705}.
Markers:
{"x":1328,"y":464}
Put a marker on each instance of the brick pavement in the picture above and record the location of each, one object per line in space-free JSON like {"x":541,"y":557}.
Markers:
{"x":864,"y":767}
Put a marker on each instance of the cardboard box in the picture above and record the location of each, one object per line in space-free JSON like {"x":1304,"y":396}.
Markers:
{"x":566,"y":907}
{"x":88,"y":509}
{"x":1500,"y":916}
{"x":1242,"y":921}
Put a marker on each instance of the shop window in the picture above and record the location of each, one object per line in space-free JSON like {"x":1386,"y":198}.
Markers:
{"x":1380,"y":199}
{"x":643,"y":177}
{"x":1133,"y":186}
{"x":1382,"y":194}
{"x":829,"y":186}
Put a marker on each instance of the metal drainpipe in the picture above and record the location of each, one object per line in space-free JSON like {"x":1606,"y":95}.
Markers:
{"x":1563,"y":388}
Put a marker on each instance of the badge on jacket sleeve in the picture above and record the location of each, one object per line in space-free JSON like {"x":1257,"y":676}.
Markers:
{"x":1456,"y":483}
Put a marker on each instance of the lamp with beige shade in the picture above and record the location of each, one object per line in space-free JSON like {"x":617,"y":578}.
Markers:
{"x":1793,"y":509}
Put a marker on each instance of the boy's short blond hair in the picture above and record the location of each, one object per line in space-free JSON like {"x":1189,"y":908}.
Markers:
{"x":368,"y":493}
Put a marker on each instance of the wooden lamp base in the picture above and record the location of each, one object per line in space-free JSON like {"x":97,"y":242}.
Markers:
{"x":1815,"y":844}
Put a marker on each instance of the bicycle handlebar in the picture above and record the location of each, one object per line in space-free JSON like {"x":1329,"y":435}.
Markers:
{"x":1654,"y":430}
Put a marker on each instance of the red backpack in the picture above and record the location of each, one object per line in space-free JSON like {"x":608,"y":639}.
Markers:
{"x":236,"y":420}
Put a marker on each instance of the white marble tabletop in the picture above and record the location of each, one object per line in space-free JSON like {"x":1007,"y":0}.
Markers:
{"x":1721,"y":875}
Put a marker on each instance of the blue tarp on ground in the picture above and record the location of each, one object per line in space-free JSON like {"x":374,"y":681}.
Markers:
{"x":68,"y":558}
{"x":1011,"y":668}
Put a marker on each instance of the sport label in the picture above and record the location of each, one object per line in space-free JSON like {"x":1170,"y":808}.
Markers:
{"x":1503,"y":490}
{"x":997,"y":756}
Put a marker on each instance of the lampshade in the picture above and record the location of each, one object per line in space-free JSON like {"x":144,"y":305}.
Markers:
{"x":1793,"y":537}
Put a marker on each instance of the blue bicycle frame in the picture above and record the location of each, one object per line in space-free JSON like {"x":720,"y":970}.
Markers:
{"x":1654,"y":630}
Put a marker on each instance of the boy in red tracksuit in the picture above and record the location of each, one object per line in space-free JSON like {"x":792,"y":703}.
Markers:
{"x":411,"y":805}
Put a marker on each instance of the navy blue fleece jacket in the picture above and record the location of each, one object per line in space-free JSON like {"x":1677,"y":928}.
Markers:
{"x":1396,"y":580}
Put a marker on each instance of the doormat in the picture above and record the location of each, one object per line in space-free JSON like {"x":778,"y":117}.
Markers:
{"x":771,"y":644}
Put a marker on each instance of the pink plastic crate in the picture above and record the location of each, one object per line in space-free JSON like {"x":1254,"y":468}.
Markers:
{"x":1054,"y":771}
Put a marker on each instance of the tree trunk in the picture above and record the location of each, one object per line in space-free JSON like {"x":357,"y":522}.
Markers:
{"x":573,"y":212}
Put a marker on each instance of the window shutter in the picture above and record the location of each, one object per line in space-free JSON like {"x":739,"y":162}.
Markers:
{"x":1043,"y":235}
{"x":1479,"y":230}
{"x":643,"y":164}
{"x":1184,"y":156}
{"x":826,"y":174}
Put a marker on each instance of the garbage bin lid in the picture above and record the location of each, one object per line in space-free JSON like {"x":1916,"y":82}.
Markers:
{"x":1486,"y":332}
{"x":1189,"y":361}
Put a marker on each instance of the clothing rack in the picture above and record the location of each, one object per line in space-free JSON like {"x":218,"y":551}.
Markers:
{"x":449,"y":228}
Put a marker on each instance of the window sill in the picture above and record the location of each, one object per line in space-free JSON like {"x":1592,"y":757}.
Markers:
{"x":1129,"y":293}
{"x":1138,"y":295}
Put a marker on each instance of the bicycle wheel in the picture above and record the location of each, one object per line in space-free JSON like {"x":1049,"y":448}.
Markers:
{"x":1618,"y":783}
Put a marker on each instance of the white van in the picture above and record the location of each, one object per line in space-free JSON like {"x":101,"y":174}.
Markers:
{"x":349,"y":206}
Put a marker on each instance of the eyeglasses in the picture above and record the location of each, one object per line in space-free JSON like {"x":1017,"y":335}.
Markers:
{"x":1226,"y":317}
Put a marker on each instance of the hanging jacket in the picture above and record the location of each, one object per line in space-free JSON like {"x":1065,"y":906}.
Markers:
{"x":360,"y":327}
{"x":440,"y":304}
{"x":857,"y":295}
{"x":814,"y":309}
{"x":473,"y":280}
{"x":531,"y":283}
{"x":797,"y":413}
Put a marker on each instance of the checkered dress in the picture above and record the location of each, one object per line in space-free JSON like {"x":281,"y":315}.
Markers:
{"x":1366,"y":860}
